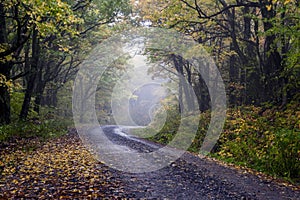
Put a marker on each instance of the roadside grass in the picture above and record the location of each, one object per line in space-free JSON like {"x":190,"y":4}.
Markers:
{"x":43,"y":129}
{"x":266,"y":139}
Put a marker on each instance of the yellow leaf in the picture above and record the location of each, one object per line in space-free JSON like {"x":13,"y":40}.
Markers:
{"x":286,"y":2}
{"x":38,"y":18}
{"x":269,"y":7}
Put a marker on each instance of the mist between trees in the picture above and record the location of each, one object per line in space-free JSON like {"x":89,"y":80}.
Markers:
{"x":254,"y":43}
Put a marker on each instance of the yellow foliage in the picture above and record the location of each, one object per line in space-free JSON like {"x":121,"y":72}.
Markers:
{"x":9,"y":84}
{"x":269,"y":7}
{"x":62,"y":168}
{"x":286,"y":2}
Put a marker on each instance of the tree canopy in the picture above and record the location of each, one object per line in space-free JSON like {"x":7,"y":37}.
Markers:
{"x":254,"y":43}
{"x":43,"y":42}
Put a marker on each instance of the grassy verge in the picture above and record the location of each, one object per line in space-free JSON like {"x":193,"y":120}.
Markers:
{"x":266,"y":139}
{"x":47,"y":124}
{"x":34,"y":128}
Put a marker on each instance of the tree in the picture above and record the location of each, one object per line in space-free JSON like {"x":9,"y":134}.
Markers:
{"x":242,"y":36}
{"x":23,"y":21}
{"x":44,"y":41}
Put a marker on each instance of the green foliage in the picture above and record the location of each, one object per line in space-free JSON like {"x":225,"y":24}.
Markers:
{"x":45,"y":125}
{"x":283,"y":157}
{"x":267,"y":141}
{"x":59,"y":33}
{"x":286,"y":28}
{"x":50,"y":122}
{"x":155,"y":132}
{"x":16,"y":106}
{"x":170,"y":128}
{"x":34,"y":129}
{"x":167,"y":132}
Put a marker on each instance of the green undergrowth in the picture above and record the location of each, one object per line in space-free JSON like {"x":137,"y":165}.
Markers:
{"x":266,"y":139}
{"x":47,"y":124}
{"x":43,"y":129}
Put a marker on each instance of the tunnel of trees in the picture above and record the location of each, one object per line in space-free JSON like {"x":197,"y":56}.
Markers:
{"x":255,"y":45}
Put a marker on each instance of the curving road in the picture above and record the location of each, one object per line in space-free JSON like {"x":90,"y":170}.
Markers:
{"x":189,"y":177}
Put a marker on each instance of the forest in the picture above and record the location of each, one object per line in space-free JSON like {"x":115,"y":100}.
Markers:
{"x":255,"y":45}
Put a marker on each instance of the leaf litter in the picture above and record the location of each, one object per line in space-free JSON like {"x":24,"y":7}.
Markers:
{"x":61,"y":168}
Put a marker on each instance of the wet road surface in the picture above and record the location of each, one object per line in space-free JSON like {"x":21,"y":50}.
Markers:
{"x":189,"y":177}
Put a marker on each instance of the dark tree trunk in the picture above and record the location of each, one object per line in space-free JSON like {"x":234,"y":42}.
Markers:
{"x":241,"y":55}
{"x":39,"y":89}
{"x":5,"y":68}
{"x":201,"y":88}
{"x":284,"y":50}
{"x":185,"y":91}
{"x":189,"y":88}
{"x":39,"y":95}
{"x":233,"y":78}
{"x":203,"y":96}
{"x":271,"y":59}
{"x":51,"y":98}
{"x":179,"y":69}
{"x":32,"y":76}
{"x":4,"y":97}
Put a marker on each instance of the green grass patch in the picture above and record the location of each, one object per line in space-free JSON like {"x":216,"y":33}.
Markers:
{"x":43,"y":129}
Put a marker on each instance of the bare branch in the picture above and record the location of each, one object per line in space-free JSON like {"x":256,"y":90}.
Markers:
{"x":203,"y":15}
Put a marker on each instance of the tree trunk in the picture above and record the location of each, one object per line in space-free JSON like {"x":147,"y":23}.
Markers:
{"x":32,"y":76}
{"x":201,"y":87}
{"x":271,"y":59}
{"x":51,"y":98}
{"x":189,"y":88}
{"x":180,"y":84}
{"x":233,"y":77}
{"x":40,"y":87}
{"x":5,"y":68}
{"x":39,"y":95}
{"x":4,"y":97}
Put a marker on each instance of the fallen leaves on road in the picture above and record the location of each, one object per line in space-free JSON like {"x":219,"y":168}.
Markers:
{"x":60,"y":168}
